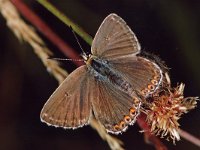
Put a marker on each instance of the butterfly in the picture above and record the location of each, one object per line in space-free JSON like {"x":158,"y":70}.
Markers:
{"x":110,"y":86}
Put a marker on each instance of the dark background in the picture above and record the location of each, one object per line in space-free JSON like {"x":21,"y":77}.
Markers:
{"x":169,"y":29}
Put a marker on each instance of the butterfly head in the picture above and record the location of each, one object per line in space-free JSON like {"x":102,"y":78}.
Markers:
{"x":87,"y":58}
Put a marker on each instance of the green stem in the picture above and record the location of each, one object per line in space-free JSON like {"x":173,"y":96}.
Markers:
{"x":66,"y":21}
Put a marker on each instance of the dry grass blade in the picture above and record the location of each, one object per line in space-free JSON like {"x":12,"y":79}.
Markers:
{"x":114,"y":143}
{"x":26,"y":33}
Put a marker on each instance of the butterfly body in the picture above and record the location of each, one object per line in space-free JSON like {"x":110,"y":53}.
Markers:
{"x":103,"y":72}
{"x":111,"y":86}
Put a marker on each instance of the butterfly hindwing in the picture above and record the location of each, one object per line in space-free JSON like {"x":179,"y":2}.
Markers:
{"x":113,"y":108}
{"x":144,"y":75}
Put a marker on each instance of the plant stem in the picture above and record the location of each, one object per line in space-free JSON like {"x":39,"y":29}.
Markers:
{"x":150,"y":138}
{"x":187,"y":136}
{"x":66,"y":20}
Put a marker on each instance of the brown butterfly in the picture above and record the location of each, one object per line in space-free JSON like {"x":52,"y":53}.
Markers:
{"x":110,"y":86}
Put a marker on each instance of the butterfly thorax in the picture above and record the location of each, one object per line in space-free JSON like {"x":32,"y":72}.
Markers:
{"x":104,"y":72}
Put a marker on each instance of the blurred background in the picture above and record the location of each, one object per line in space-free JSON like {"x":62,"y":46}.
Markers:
{"x":168,"y":29}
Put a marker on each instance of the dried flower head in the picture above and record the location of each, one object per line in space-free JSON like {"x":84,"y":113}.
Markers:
{"x":166,"y":107}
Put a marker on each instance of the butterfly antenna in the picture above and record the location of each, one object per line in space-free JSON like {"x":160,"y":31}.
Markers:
{"x":77,"y":41}
{"x":68,"y":59}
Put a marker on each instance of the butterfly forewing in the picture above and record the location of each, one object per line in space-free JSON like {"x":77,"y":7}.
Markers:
{"x":114,"y":39}
{"x":70,"y":105}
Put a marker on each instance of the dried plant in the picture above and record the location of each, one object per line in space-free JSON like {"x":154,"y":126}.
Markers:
{"x":26,"y":33}
{"x":166,"y":108}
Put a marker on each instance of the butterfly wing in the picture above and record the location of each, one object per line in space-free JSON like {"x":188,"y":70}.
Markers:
{"x":69,"y":106}
{"x":115,"y":43}
{"x":144,"y":75}
{"x":113,"y":108}
{"x":114,"y":38}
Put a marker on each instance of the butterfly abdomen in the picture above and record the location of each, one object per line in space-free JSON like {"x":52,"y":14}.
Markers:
{"x":105,"y":72}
